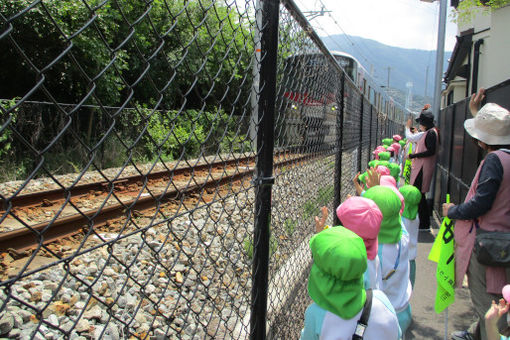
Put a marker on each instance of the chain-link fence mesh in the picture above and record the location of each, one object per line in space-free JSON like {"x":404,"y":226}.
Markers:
{"x":127,"y":153}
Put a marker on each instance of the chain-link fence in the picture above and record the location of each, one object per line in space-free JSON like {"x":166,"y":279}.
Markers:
{"x":459,"y":155}
{"x":162,"y":163}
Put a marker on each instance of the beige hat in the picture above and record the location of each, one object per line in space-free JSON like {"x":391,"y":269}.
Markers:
{"x":491,"y":125}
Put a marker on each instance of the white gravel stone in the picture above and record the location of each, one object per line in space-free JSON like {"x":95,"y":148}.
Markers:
{"x":93,"y":313}
{"x":46,"y":295}
{"x":15,"y":334}
{"x":53,"y":319}
{"x":6,"y":323}
{"x":192,"y":256}
{"x":82,"y":326}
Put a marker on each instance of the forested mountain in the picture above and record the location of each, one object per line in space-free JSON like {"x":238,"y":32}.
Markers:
{"x":406,"y":65}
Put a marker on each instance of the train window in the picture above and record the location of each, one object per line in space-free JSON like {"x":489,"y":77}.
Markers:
{"x":348,"y":65}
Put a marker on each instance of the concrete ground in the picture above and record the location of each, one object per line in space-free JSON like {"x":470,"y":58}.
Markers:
{"x":426,"y":323}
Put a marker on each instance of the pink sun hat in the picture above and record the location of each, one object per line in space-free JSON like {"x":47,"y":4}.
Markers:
{"x":389,"y":181}
{"x":396,"y":138}
{"x":382,"y":170}
{"x":363,"y":217}
{"x":378,"y":149}
{"x":396,"y":146}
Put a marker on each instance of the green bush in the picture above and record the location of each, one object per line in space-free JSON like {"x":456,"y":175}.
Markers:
{"x":6,"y":134}
{"x":186,"y":134}
{"x":235,"y":143}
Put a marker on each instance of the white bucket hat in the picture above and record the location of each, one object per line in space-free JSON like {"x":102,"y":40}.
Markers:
{"x":491,"y":125}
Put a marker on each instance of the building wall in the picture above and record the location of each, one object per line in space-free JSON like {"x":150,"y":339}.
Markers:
{"x":493,"y":26}
{"x":496,"y":50}
{"x":481,"y":20}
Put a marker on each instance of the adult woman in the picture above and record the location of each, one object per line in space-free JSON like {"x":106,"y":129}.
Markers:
{"x":424,"y":162}
{"x":486,"y":206}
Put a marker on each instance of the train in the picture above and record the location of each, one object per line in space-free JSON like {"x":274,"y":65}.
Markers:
{"x":309,"y":102}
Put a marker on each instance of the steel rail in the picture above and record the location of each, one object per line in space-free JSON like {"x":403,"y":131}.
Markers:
{"x":43,"y":233}
{"x":39,"y":197}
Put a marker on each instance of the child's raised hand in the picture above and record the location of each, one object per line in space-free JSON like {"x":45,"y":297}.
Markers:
{"x":357,"y":185}
{"x":496,"y":311}
{"x":373,"y":178}
{"x":320,"y":222}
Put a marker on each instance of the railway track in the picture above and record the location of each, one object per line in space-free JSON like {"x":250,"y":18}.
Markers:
{"x":46,"y":216}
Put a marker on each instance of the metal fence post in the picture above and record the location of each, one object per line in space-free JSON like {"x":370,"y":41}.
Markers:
{"x":376,"y":128}
{"x":339,"y":154}
{"x":360,"y":152}
{"x":370,"y":147}
{"x":264,"y":168}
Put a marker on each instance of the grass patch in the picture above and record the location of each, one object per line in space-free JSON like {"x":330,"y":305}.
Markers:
{"x":248,"y":246}
{"x":290,"y":226}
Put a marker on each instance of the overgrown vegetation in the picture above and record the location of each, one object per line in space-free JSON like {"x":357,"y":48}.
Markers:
{"x":467,"y":9}
{"x":179,"y":53}
{"x":180,"y":70}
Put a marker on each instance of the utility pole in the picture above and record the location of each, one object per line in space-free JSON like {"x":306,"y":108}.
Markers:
{"x":438,"y":81}
{"x":409,"y":97}
{"x":426,"y":83}
{"x":314,"y":14}
{"x":439,"y":58}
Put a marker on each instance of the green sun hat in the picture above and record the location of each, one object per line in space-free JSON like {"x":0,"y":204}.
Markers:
{"x":394,"y":170}
{"x":373,"y":163}
{"x":384,"y":163}
{"x":412,"y":198}
{"x":389,"y":204}
{"x":402,"y":143}
{"x":384,"y":156}
{"x":336,"y":277}
{"x":387,"y":141}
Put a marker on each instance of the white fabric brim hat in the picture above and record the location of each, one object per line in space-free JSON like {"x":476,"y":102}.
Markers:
{"x":491,"y":125}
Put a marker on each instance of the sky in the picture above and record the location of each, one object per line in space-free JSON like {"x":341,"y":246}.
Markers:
{"x":401,"y":23}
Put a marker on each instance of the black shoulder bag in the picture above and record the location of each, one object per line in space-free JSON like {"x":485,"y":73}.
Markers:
{"x":363,"y":320}
{"x":492,"y":248}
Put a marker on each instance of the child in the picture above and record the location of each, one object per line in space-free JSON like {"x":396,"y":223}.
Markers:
{"x":335,"y":285}
{"x":398,"y":155}
{"x":384,"y":156}
{"x":395,"y":170}
{"x":377,"y":150}
{"x":363,"y":217}
{"x":389,"y":181}
{"x":391,"y":150}
{"x":411,"y":222}
{"x":382,"y":170}
{"x":387,"y":141}
{"x":393,"y":252}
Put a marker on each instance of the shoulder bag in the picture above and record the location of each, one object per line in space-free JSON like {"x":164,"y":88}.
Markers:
{"x":492,"y":248}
